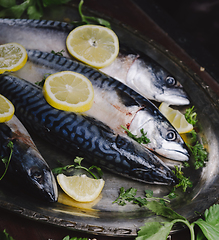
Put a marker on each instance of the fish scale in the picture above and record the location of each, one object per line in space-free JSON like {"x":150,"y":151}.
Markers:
{"x":84,"y":135}
{"x":35,"y":23}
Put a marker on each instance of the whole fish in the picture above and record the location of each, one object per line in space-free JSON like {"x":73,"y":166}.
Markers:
{"x":26,"y":166}
{"x":136,"y":70}
{"x":84,"y":135}
{"x":115,"y":104}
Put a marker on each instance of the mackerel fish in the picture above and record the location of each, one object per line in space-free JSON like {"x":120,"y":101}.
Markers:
{"x":26,"y":167}
{"x":115,"y":104}
{"x":83,"y":134}
{"x":134,"y":69}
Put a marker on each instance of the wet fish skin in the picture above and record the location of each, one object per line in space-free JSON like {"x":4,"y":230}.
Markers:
{"x":136,"y":70}
{"x":83,"y":135}
{"x":27,"y":166}
{"x":111,"y":97}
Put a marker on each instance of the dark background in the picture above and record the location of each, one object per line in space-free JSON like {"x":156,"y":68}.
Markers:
{"x":192,"y":24}
{"x":200,"y":19}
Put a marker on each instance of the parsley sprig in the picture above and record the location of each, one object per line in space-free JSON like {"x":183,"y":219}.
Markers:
{"x":142,"y":139}
{"x":184,"y":182}
{"x":41,"y":83}
{"x":60,"y":53}
{"x":208,"y":224}
{"x":191,"y":116}
{"x":197,"y":149}
{"x":78,"y":165}
{"x":6,"y":160}
{"x":129,"y":195}
{"x":200,"y":155}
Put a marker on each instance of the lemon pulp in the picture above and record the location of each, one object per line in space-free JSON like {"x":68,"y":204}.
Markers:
{"x":81,"y":188}
{"x":176,"y":118}
{"x":6,"y":109}
{"x":13,"y":57}
{"x":94,"y":45}
{"x":69,"y":91}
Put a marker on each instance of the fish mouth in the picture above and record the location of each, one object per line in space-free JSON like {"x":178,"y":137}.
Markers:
{"x":52,"y":193}
{"x":48,"y":187}
{"x":176,"y":155}
{"x":174,"y":97}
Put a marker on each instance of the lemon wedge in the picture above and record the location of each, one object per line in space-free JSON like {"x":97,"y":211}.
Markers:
{"x":13,"y":57}
{"x":6,"y":109}
{"x":94,"y":45}
{"x":81,"y":188}
{"x":176,"y":118}
{"x":69,"y":91}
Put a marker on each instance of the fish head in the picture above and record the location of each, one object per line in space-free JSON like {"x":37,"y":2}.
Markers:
{"x":155,"y":83}
{"x":39,"y":176}
{"x":164,"y":139}
{"x":139,"y":163}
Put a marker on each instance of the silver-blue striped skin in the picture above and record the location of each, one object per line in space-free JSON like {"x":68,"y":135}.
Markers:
{"x":136,"y":70}
{"x":83,"y":135}
{"x":27,"y":168}
{"x":115,"y":104}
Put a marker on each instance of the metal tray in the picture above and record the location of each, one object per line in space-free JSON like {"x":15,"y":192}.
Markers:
{"x":102,"y":216}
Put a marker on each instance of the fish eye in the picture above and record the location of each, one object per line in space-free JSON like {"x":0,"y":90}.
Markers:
{"x":120,"y":142}
{"x":171,"y":136}
{"x":170,"y":81}
{"x":36,"y":173}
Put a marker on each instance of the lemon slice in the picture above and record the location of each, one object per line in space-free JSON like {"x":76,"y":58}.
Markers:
{"x":6,"y":109}
{"x":69,"y":91}
{"x":13,"y":57}
{"x":94,"y":45}
{"x":176,"y":118}
{"x":81,"y":188}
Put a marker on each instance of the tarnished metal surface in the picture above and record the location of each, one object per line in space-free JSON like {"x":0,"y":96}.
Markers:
{"x":109,"y":219}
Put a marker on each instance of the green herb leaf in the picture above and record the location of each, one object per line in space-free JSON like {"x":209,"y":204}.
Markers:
{"x":200,"y":154}
{"x":142,"y":139}
{"x":15,"y":11}
{"x":149,"y":193}
{"x":129,"y":196}
{"x":125,"y":196}
{"x":98,"y":169}
{"x":193,"y":136}
{"x":5,"y":236}
{"x":34,"y":12}
{"x":7,"y":3}
{"x":154,"y":231}
{"x":34,"y":8}
{"x":209,"y":230}
{"x":210,"y":225}
{"x":191,"y":116}
{"x":41,"y":83}
{"x":78,"y":160}
{"x":60,"y":53}
{"x":212,"y":215}
{"x":161,"y":210}
{"x":6,"y":160}
{"x":200,"y":235}
{"x":184,"y":182}
{"x":78,"y":165}
{"x":90,"y":19}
